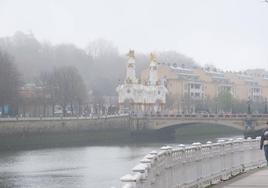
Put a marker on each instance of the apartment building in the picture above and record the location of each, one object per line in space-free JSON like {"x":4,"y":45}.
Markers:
{"x":189,"y":86}
{"x":247,"y":86}
{"x":185,"y":88}
{"x":215,"y":82}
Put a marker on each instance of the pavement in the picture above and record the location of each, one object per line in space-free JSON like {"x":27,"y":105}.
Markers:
{"x":256,"y":178}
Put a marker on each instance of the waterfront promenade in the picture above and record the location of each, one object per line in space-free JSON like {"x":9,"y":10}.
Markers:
{"x":256,"y":179}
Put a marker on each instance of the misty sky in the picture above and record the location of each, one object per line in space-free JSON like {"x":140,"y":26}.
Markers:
{"x":231,"y":34}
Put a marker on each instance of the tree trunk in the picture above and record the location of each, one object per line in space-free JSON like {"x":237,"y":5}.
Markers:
{"x":72,"y":109}
{"x":53,"y":109}
{"x":64,"y":110}
{"x":79,"y":108}
{"x":44,"y":109}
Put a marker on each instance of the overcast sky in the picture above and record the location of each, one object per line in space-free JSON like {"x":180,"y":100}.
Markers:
{"x":231,"y":34}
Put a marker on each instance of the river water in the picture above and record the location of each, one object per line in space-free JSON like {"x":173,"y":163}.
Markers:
{"x":73,"y":167}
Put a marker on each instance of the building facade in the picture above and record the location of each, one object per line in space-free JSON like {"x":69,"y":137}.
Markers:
{"x":191,"y":89}
{"x":135,"y":96}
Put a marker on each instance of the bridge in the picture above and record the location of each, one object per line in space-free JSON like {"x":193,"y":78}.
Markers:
{"x":197,"y":165}
{"x":136,"y":124}
{"x":246,"y":122}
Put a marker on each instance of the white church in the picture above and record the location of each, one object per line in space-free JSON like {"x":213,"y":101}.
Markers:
{"x":136,"y":97}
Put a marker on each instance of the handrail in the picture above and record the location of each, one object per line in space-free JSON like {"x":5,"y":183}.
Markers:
{"x":205,"y":116}
{"x":4,"y":119}
{"x":170,"y":116}
{"x":197,"y":165}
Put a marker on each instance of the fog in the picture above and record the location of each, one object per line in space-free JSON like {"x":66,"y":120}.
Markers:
{"x":43,"y":41}
{"x":101,"y":83}
{"x":225,"y":33}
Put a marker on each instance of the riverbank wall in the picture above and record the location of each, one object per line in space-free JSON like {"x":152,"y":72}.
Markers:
{"x":20,"y":134}
{"x":26,"y":127}
{"x":31,"y":134}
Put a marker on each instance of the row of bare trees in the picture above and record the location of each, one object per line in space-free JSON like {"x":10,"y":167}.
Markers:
{"x":100,"y":65}
{"x":9,"y":81}
{"x":63,"y":86}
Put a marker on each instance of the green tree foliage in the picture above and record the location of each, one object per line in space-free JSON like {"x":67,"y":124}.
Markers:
{"x":225,"y":101}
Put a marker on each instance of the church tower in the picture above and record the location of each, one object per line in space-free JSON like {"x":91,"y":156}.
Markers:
{"x":153,"y":70}
{"x":131,"y":68}
{"x":134,"y":97}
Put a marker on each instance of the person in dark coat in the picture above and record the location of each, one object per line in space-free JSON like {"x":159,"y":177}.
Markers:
{"x":264,"y":142}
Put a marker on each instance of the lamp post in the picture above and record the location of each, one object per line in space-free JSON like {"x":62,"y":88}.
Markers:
{"x":217,"y":106}
{"x":265,"y":106}
{"x":249,"y":109}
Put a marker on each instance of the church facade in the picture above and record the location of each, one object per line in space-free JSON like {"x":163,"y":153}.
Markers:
{"x":136,"y":97}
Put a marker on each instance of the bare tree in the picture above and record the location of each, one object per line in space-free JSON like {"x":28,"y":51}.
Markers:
{"x":9,"y":81}
{"x":67,"y":87}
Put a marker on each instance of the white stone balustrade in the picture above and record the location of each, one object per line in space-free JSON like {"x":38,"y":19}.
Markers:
{"x":197,"y":165}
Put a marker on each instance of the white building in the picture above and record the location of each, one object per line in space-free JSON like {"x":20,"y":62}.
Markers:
{"x":137,"y":97}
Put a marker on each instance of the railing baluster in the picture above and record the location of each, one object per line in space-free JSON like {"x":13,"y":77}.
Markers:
{"x":196,"y":165}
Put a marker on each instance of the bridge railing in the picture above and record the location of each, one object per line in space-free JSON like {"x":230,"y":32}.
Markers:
{"x":197,"y":165}
{"x":3,"y":119}
{"x":233,"y":116}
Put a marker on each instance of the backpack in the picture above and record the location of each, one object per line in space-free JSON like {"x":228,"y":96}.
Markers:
{"x":265,"y":134}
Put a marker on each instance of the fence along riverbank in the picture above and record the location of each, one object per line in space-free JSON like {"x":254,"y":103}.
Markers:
{"x":199,"y":164}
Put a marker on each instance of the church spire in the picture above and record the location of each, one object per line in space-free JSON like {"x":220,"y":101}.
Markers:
{"x":131,"y":68}
{"x":153,"y":70}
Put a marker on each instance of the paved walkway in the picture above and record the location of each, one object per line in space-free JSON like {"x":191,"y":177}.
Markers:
{"x":257,"y":178}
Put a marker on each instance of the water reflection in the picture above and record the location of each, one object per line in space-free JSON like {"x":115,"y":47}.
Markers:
{"x":68,"y":167}
{"x":88,"y":166}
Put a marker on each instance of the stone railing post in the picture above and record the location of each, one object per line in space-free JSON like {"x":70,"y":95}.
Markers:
{"x":129,"y":181}
{"x":198,"y":163}
{"x":206,"y":164}
{"x":227,"y":159}
{"x":168,"y":175}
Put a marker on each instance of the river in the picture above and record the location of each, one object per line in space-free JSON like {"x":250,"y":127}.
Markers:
{"x":88,"y":166}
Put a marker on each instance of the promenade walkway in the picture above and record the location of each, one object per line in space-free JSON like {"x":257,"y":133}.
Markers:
{"x":256,"y":179}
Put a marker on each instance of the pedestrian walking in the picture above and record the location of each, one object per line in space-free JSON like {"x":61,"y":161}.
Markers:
{"x":264,"y":143}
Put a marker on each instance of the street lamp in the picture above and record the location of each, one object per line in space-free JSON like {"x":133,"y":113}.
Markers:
{"x":265,"y":106}
{"x":217,"y":110}
{"x":249,"y":109}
